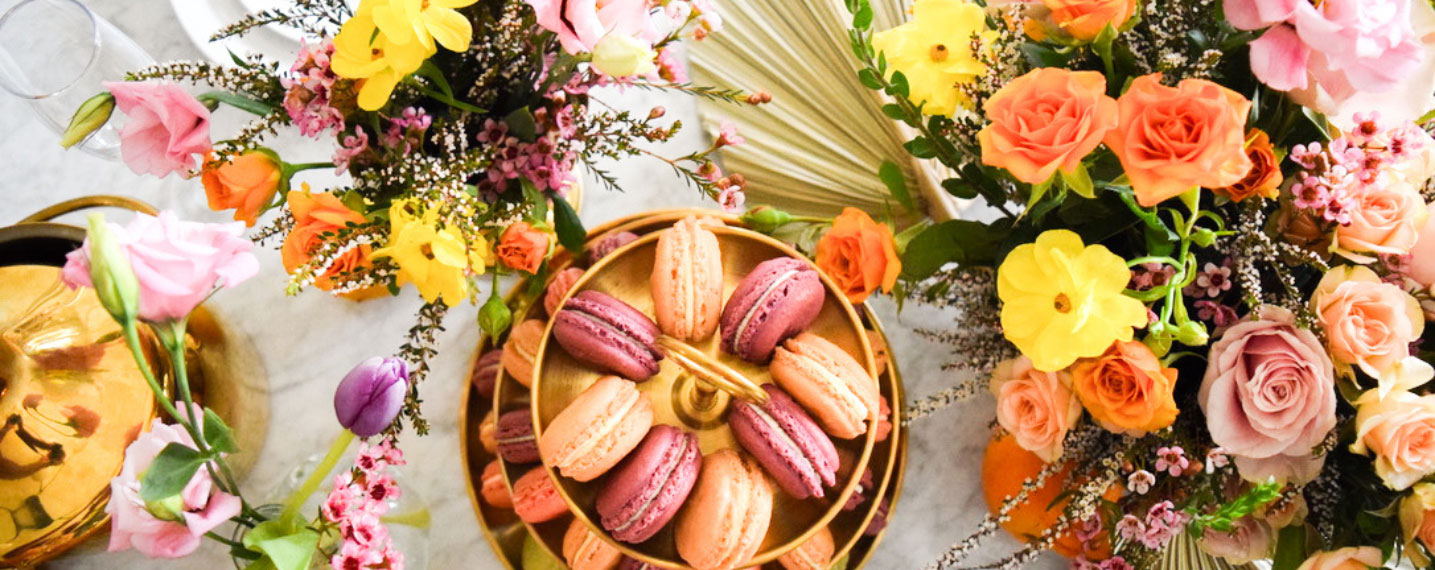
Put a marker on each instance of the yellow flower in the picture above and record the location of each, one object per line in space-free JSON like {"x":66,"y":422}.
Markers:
{"x":1417,"y":522}
{"x":362,"y":52}
{"x":404,"y":21}
{"x":434,"y":260}
{"x":934,"y":52}
{"x":1062,"y":300}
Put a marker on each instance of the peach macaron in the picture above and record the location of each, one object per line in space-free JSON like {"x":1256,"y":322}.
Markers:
{"x":727,"y":515}
{"x":521,"y":348}
{"x":687,"y":281}
{"x":584,"y":550}
{"x":597,"y":429}
{"x":828,"y":382}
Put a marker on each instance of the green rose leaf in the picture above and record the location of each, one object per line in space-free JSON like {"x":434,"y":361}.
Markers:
{"x":570,"y":229}
{"x":891,"y":175}
{"x":218,"y":434}
{"x":170,"y":472}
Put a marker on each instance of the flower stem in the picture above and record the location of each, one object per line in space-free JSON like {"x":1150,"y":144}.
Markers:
{"x":419,"y":518}
{"x":312,"y":482}
{"x":175,"y":343}
{"x":132,"y":339}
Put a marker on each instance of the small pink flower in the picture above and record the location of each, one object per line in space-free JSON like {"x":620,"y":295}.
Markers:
{"x":732,"y":199}
{"x":167,"y":127}
{"x":353,"y":556}
{"x":728,"y":135}
{"x":1130,"y":527}
{"x":1216,"y":458}
{"x":1140,"y":482}
{"x":1211,"y":281}
{"x":1172,"y":460}
{"x":351,"y":146}
{"x":1220,"y":315}
{"x":381,"y":488}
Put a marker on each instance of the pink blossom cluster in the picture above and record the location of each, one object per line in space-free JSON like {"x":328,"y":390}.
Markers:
{"x":1148,"y":276}
{"x":357,"y":505}
{"x":310,"y":84}
{"x":1335,"y":176}
{"x":546,"y":162}
{"x":1089,"y":532}
{"x":1163,"y":522}
{"x":405,"y":133}
{"x":350,"y":147}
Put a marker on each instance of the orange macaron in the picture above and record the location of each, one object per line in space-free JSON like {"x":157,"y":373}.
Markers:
{"x":536,"y":498}
{"x":494,"y":490}
{"x":815,"y":554}
{"x":586,"y":551}
{"x":727,"y":514}
{"x":828,"y":382}
{"x":597,"y":429}
{"x":687,"y":281}
{"x":521,"y":348}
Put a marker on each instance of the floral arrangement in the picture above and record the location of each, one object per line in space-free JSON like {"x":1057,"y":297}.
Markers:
{"x":176,"y":487}
{"x":1199,"y":277}
{"x":459,"y":130}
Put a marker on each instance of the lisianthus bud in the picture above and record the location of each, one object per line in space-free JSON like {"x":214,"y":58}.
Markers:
{"x":765,"y":219}
{"x":622,"y":55}
{"x":110,"y":272}
{"x":91,"y":115}
{"x":371,"y":395}
{"x":494,"y":317}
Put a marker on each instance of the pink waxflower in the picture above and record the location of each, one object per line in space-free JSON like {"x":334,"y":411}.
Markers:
{"x":1172,"y":460}
{"x":732,"y":199}
{"x":178,"y":263}
{"x":203,"y":507}
{"x":350,"y":147}
{"x":1211,"y":281}
{"x":728,"y":135}
{"x":1130,"y":528}
{"x":581,"y":23}
{"x":1163,"y":522}
{"x":357,"y":504}
{"x":1216,"y":458}
{"x":1140,"y":482}
{"x":167,"y":127}
{"x":1116,"y":563}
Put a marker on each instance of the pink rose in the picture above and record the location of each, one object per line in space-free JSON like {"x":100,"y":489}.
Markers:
{"x":1399,"y":430}
{"x":1036,"y":407}
{"x":167,"y":127}
{"x":178,"y":264}
{"x":1370,"y":324}
{"x":1269,"y":396}
{"x":581,"y":23}
{"x":202,"y":507}
{"x":1404,"y":102}
{"x":1349,"y":558}
{"x":1249,"y":539}
{"x":1387,"y":219}
{"x":1422,"y":254}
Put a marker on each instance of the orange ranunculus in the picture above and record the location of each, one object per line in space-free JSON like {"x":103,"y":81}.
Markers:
{"x":314,"y":216}
{"x":246,"y":183}
{"x":1264,"y":179}
{"x":523,"y":247}
{"x":1046,"y":120}
{"x":859,"y":254}
{"x":1084,"y":19}
{"x":1173,"y":139}
{"x":1126,"y":390}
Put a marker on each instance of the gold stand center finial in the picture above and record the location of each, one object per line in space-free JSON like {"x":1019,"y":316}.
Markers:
{"x":702,"y":393}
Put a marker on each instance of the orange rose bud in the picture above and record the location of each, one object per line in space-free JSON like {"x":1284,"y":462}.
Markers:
{"x":859,"y":254}
{"x":1046,"y":120}
{"x":314,"y":216}
{"x":247,"y":183}
{"x":1126,"y":390}
{"x":1264,"y":179}
{"x":1084,"y":19}
{"x":1173,"y":139}
{"x":523,"y":247}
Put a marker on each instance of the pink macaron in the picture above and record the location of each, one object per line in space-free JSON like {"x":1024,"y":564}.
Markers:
{"x":597,"y":429}
{"x":608,"y":244}
{"x":485,"y":373}
{"x":687,"y":281}
{"x":649,"y":487}
{"x":601,"y":331}
{"x":786,"y":442}
{"x":779,"y":298}
{"x":514,"y":436}
{"x":494,"y":490}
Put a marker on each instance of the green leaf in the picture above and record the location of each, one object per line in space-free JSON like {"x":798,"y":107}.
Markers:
{"x":1317,"y":119}
{"x":899,"y":85}
{"x":1290,"y":548}
{"x":891,"y":175}
{"x":1037,"y":192}
{"x":894,"y":111}
{"x":1102,"y":46}
{"x":851,"y":5}
{"x":920,"y":147}
{"x":285,"y":551}
{"x":211,"y":99}
{"x":1079,"y":181}
{"x":1427,"y":117}
{"x":538,"y":214}
{"x":964,"y":242}
{"x":171,"y":471}
{"x":869,"y":78}
{"x":1041,"y":56}
{"x":236,"y":59}
{"x":521,"y":124}
{"x":430,"y":71}
{"x":862,"y":18}
{"x":218,"y":434}
{"x":959,"y":188}
{"x":570,"y":229}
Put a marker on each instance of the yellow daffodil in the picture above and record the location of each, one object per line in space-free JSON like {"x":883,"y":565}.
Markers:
{"x":934,"y":52}
{"x":1062,"y":300}
{"x":434,"y":260}
{"x":425,"y":21}
{"x":362,"y":52}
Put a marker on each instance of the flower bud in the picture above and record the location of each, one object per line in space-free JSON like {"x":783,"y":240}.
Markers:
{"x":657,"y":112}
{"x":110,"y":272}
{"x":494,"y":317}
{"x":766,"y":219}
{"x":166,"y":509}
{"x":371,"y":395}
{"x":622,"y":55}
{"x":91,"y":115}
{"x":1192,"y":333}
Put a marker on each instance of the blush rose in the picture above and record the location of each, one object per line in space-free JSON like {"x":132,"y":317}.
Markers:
{"x":1035,"y":407}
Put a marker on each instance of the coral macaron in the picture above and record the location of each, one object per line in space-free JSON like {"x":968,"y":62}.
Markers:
{"x":727,"y":516}
{"x":514,"y":436}
{"x":646,"y":491}
{"x":597,"y":429}
{"x":586,"y":551}
{"x":520,"y":350}
{"x":787,"y":442}
{"x":602,"y":331}
{"x":832,"y":385}
{"x":779,"y":298}
{"x":687,"y":281}
{"x":536,"y":498}
{"x":558,"y":287}
{"x":494,"y":490}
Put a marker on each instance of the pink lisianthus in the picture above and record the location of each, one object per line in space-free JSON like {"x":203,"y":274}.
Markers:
{"x":167,"y":127}
{"x":178,"y":264}
{"x":581,"y":23}
{"x":203,"y":507}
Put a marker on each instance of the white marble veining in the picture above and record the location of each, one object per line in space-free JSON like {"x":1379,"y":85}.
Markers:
{"x":308,"y":342}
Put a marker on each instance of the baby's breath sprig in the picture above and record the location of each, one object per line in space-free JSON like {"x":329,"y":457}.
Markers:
{"x":313,"y":17}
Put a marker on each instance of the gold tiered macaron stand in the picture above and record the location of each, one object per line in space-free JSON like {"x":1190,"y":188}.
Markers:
{"x":619,"y":274}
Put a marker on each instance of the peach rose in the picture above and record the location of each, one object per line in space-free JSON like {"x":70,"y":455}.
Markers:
{"x":1084,"y":19}
{"x":523,"y":247}
{"x":314,"y":216}
{"x":1173,"y":139}
{"x":1387,"y":219}
{"x":1370,"y":324}
{"x":1265,"y":177}
{"x":1399,"y":430}
{"x":859,"y":254}
{"x":1046,"y":120}
{"x":1126,"y":389}
{"x":1417,"y":523}
{"x":247,"y":183}
{"x":1422,"y":254}
{"x":1348,"y":558}
{"x":1036,"y":407}
{"x":1249,"y":539}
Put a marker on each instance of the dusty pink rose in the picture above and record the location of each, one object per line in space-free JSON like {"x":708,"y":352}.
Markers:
{"x":1036,"y":407}
{"x":1370,"y":324}
{"x":1387,"y":219}
{"x":167,"y":127}
{"x":178,"y":263}
{"x":1399,"y":430}
{"x":1269,"y":396}
{"x":1422,"y":254}
{"x":1349,"y":558}
{"x":203,"y":507}
{"x":581,"y":23}
{"x":1249,"y":539}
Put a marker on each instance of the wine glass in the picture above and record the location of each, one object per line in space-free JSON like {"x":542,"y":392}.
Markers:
{"x":56,"y":53}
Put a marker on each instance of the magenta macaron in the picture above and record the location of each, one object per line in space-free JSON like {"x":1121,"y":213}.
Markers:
{"x":601,"y":331}
{"x":779,"y":298}
{"x":646,"y":491}
{"x":787,"y":442}
{"x":516,"y":443}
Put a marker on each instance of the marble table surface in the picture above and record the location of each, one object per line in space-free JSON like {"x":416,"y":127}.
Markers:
{"x":306,"y":343}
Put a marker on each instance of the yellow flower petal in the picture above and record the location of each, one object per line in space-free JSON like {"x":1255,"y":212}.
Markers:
{"x":451,"y":29}
{"x":376,"y":90}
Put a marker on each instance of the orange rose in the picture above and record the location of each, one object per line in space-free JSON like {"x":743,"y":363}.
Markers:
{"x":1084,"y":19}
{"x":1126,"y":390}
{"x":1046,"y":120}
{"x":1265,"y":178}
{"x":859,"y":254}
{"x":246,"y":183}
{"x":1173,"y":139}
{"x":523,"y":247}
{"x":314,"y":216}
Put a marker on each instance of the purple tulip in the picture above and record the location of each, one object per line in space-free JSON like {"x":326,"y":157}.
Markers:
{"x":371,"y":395}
